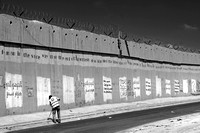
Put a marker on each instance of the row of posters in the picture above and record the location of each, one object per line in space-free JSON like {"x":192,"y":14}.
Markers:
{"x":14,"y":93}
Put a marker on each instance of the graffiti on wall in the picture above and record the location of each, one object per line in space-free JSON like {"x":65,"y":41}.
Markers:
{"x":30,"y":92}
{"x":79,"y":87}
{"x":68,"y":90}
{"x":89,"y":89}
{"x":55,"y":85}
{"x":168,"y":86}
{"x":79,"y":91}
{"x":158,"y":87}
{"x":61,"y":58}
{"x":12,"y":54}
{"x":123,"y":88}
{"x":136,"y":86}
{"x":176,"y":86}
{"x":148,"y":86}
{"x":198,"y":86}
{"x":130,"y":91}
{"x":193,"y":85}
{"x":43,"y":91}
{"x":185,"y":86}
{"x":13,"y":90}
{"x":107,"y":88}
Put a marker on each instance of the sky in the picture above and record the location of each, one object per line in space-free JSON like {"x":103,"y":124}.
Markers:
{"x":169,"y":21}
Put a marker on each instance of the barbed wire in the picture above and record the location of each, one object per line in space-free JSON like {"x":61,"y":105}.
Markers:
{"x":108,"y":30}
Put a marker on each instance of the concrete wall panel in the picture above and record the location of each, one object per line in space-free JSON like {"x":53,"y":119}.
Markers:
{"x":56,"y":75}
{"x":43,"y":71}
{"x":27,"y":32}
{"x":2,"y":81}
{"x":29,"y":80}
{"x":86,"y":40}
{"x":10,"y":28}
{"x":149,"y":52}
{"x":96,"y":41}
{"x":142,"y":50}
{"x":104,"y":44}
{"x":13,"y":71}
{"x":79,"y":86}
{"x":115,"y":84}
{"x":69,"y":71}
{"x":130,"y":91}
{"x":78,"y":43}
{"x":114,"y":46}
{"x":135,"y":49}
{"x":67,"y":39}
{"x":38,"y":32}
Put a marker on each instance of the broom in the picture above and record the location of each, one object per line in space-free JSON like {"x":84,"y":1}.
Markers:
{"x":49,"y":118}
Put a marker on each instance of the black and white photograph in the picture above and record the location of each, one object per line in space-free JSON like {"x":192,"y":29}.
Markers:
{"x":99,"y":66}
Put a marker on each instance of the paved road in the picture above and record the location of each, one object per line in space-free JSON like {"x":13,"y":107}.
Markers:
{"x":114,"y":123}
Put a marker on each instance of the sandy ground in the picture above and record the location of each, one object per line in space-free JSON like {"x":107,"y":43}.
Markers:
{"x":182,"y":124}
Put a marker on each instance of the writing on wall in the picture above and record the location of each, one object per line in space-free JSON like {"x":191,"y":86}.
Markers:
{"x":123,"y":87}
{"x":89,"y":89}
{"x":148,"y":86}
{"x":176,"y":86}
{"x":130,"y":91}
{"x":13,"y":90}
{"x":107,"y":88}
{"x":62,"y":58}
{"x":168,"y":86}
{"x":193,"y":85}
{"x":136,"y":86}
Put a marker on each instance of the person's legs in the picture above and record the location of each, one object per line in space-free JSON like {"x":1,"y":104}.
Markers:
{"x":58,"y":114}
{"x":54,"y":114}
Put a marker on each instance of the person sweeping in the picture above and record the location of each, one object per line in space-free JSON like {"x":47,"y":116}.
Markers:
{"x":54,"y":103}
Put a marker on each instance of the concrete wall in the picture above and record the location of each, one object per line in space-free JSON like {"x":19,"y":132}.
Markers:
{"x":38,"y":59}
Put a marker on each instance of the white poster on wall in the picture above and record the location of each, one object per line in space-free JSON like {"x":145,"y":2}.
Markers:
{"x":168,"y":86}
{"x":123,"y":87}
{"x":193,"y":85}
{"x":176,"y":86}
{"x":148,"y":86}
{"x":107,"y":88}
{"x":13,"y":90}
{"x":43,"y":91}
{"x":158,"y":87}
{"x":89,"y":89}
{"x":136,"y":86}
{"x":185,"y":86}
{"x":68,"y":90}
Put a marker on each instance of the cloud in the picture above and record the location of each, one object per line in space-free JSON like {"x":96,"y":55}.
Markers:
{"x":190,"y":27}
